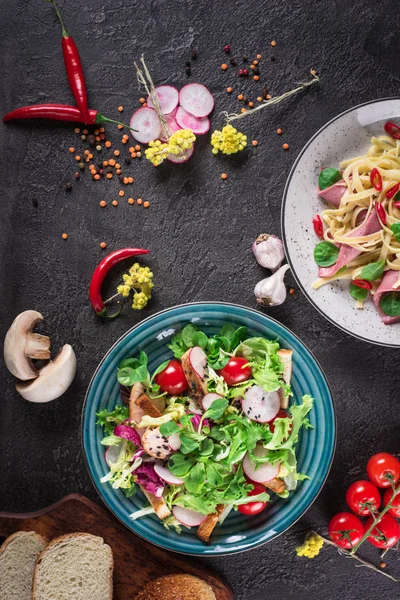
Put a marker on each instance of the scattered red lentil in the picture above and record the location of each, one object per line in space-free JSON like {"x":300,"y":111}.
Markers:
{"x":120,"y":108}
{"x":105,"y":163}
{"x":111,"y":162}
{"x":107,"y":144}
{"x":240,"y":97}
{"x":114,"y":202}
{"x":268,"y":96}
{"x":103,"y":245}
{"x":96,"y":132}
{"x":116,"y":152}
{"x":101,"y":130}
{"x":97,"y":177}
{"x":77,"y":158}
{"x":133,"y":154}
{"x":85,"y":131}
{"x":273,"y":43}
{"x":259,"y":99}
{"x":285,"y":146}
{"x":382,"y":565}
{"x":109,"y":175}
{"x":77,"y":130}
{"x":255,"y":62}
{"x":254,"y":143}
{"x":121,"y":193}
{"x":137,"y":147}
{"x":229,"y":90}
{"x":224,"y":176}
{"x":130,"y":180}
{"x":224,"y":66}
{"x":243,"y":110}
{"x":139,"y":201}
{"x":131,"y":201}
{"x":64,"y":236}
{"x":259,"y":56}
{"x":251,"y":104}
{"x":90,"y":156}
{"x":124,"y":141}
{"x":126,"y":180}
{"x":72,"y":150}
{"x":291,"y":291}
{"x":252,"y":67}
{"x":118,"y":171}
{"x":131,"y":149}
{"x":142,"y":100}
{"x":256,"y":77}
{"x":103,"y":203}
{"x":120,"y":126}
{"x":117,"y":166}
{"x":146,"y":204}
{"x":279,"y":131}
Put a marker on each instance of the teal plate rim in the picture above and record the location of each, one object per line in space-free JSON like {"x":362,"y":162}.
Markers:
{"x":213,"y":549}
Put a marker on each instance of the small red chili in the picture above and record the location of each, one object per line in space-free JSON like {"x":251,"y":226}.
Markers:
{"x":396,"y":204}
{"x":393,"y":130}
{"x":393,"y":190}
{"x":318,"y":226}
{"x":376,"y":179}
{"x":100,"y":273}
{"x":362,"y":283}
{"x":381,"y":212}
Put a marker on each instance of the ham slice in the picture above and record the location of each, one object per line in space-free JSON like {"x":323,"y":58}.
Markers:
{"x":334,"y":193}
{"x":390,"y":278}
{"x":348,"y":253}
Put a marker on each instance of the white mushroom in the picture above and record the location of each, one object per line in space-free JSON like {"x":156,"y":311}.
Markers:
{"x":54,"y":379}
{"x":21,"y":345}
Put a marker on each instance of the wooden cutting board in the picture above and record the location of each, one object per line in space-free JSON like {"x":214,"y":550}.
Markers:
{"x":136,"y":562}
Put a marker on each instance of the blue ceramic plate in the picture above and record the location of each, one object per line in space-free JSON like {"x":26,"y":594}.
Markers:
{"x":315,"y":447}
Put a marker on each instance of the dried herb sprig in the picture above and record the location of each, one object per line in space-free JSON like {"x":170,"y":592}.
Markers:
{"x":145,"y":82}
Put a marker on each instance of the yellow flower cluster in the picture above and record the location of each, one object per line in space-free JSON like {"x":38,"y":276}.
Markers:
{"x":228,"y":141}
{"x":311,"y":546}
{"x":181,"y":140}
{"x":139,"y":279}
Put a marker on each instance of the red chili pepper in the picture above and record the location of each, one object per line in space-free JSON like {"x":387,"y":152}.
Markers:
{"x":393,"y":191}
{"x":396,"y":204}
{"x":73,"y":67}
{"x":318,"y":226}
{"x":393,"y":130}
{"x":381,"y":212}
{"x":100,"y":273}
{"x":376,"y":179}
{"x":362,"y":283}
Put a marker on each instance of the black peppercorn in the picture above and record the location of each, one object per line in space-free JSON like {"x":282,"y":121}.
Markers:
{"x":35,"y":203}
{"x":187,"y":64}
{"x":245,"y":59}
{"x":91,"y":139}
{"x":273,"y":58}
{"x":128,"y":161}
{"x":68,"y":186}
{"x":188,"y":71}
{"x":193,"y":54}
{"x":233,"y":62}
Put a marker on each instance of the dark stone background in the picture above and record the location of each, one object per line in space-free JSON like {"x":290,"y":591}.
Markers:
{"x":199,"y":230}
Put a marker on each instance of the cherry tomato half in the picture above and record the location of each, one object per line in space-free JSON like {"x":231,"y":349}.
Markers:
{"x":172,"y":380}
{"x":363,"y":498}
{"x":383,"y":468}
{"x":253,"y":508}
{"x":345,"y":529}
{"x":282,"y":414}
{"x":234,"y":371}
{"x":385,"y":534}
{"x":395,"y":510}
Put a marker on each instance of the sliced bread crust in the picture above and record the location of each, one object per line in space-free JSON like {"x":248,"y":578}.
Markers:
{"x":18,"y":555}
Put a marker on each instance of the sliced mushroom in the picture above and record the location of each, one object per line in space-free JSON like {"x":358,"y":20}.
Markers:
{"x":54,"y":379}
{"x":21,"y":345}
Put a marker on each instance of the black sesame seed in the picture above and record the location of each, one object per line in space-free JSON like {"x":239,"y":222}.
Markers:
{"x":233,"y":62}
{"x":187,"y":64}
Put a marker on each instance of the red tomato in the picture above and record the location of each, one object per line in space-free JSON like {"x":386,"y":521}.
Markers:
{"x":363,"y":498}
{"x":253,"y":508}
{"x":172,"y":380}
{"x":385,"y":534}
{"x":345,"y":529}
{"x":234,"y":371}
{"x":282,"y":414}
{"x":383,"y":468}
{"x":395,"y":510}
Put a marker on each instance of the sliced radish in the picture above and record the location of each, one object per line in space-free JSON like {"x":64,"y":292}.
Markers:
{"x":259,"y":405}
{"x":174,"y":441}
{"x":166,"y":474}
{"x":194,"y":409}
{"x":189,"y":518}
{"x":111,"y":455}
{"x":260,"y":472}
{"x":172,"y":124}
{"x":198,"y":361}
{"x":186,"y":120}
{"x":209,"y":399}
{"x":179,"y":159}
{"x":196,"y":99}
{"x":146,"y":124}
{"x":168,"y":97}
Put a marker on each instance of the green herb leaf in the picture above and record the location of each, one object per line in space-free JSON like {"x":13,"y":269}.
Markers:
{"x":325,"y":254}
{"x":125,"y":376}
{"x":161,"y":367}
{"x":213,"y":475}
{"x":109,"y":419}
{"x":395,"y":227}
{"x":188,"y":333}
{"x":239,"y":335}
{"x":373,"y":271}
{"x":224,"y":342}
{"x":328,"y":177}
{"x":180,"y":465}
{"x":195,"y":480}
{"x":216,"y":410}
{"x":206,"y":447}
{"x":213,"y":346}
{"x":227,"y":330}
{"x":132,"y":363}
{"x":390,"y":304}
{"x":169,"y":428}
{"x":177,"y":346}
{"x":357,"y":293}
{"x":200,"y":339}
{"x":188,"y":443}
{"x":143,"y":358}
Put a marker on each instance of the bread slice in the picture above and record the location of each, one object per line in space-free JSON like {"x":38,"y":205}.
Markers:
{"x":76,"y":566}
{"x":18,"y":555}
{"x":177,"y":587}
{"x":286,"y":358}
{"x":206,"y":528}
{"x":159,"y":504}
{"x":276,"y":484}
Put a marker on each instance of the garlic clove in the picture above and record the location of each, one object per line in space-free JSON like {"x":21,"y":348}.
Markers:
{"x":268,"y":251}
{"x":271,"y":291}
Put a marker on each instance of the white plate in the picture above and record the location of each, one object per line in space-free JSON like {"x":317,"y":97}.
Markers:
{"x":344,"y":137}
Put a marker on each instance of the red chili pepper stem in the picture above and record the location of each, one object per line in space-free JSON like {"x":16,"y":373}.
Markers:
{"x":102,"y":119}
{"x":63,"y":30}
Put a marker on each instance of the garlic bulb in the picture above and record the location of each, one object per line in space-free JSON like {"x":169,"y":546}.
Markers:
{"x":268,"y":250}
{"x":271,"y":291}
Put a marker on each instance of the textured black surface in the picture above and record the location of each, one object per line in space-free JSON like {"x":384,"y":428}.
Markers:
{"x":199,"y":230}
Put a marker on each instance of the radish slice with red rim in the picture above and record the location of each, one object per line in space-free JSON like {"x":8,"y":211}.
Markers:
{"x":179,"y":159}
{"x":209,"y":399}
{"x":196,"y":99}
{"x":259,"y":405}
{"x":168,"y":97}
{"x":188,"y":517}
{"x":199,"y":125}
{"x":174,"y":441}
{"x":259,"y":472}
{"x":198,"y":361}
{"x":166,"y":474}
{"x":146,"y":124}
{"x":111,"y":455}
{"x":172,"y":124}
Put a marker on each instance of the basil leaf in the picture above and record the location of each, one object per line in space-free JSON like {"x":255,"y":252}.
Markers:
{"x":141,"y":374}
{"x":217,"y":409}
{"x":238,"y":337}
{"x":223,"y":342}
{"x":206,"y":447}
{"x":395,"y":227}
{"x":373,"y":271}
{"x":126,"y":376}
{"x":390,"y":304}
{"x":161,"y":367}
{"x":187,"y":335}
{"x":328,"y":177}
{"x":132,"y":363}
{"x":325,"y":254}
{"x":358,"y":293}
{"x":169,"y":428}
{"x":200,"y":339}
{"x":188,"y":444}
{"x":195,"y":480}
{"x":143,"y":359}
{"x":180,"y":465}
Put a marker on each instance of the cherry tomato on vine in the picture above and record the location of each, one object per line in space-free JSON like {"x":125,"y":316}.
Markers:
{"x":382,"y":469}
{"x":282,"y":414}
{"x":235,"y":371}
{"x":345,"y":529}
{"x":385,"y":534}
{"x":253,"y":508}
{"x":172,"y":379}
{"x":395,"y":510}
{"x":363,"y":498}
